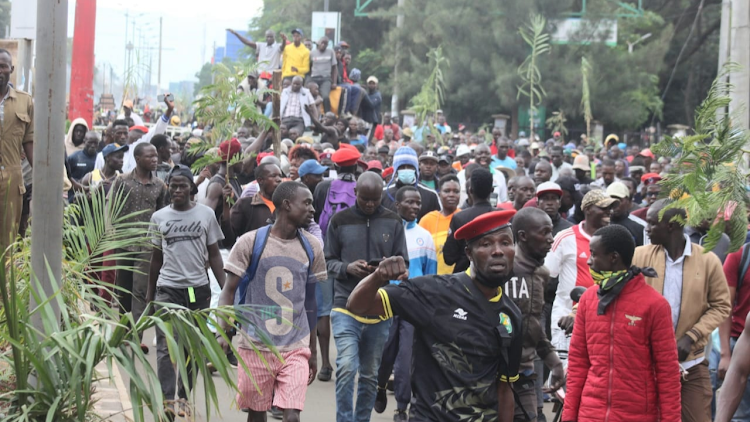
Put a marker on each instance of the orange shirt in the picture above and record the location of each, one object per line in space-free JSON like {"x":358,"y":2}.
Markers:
{"x":438,"y":225}
{"x":268,"y":202}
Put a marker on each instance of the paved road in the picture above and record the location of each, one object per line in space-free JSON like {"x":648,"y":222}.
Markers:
{"x":320,"y":405}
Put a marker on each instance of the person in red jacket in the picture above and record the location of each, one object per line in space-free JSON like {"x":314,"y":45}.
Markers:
{"x":623,"y":356}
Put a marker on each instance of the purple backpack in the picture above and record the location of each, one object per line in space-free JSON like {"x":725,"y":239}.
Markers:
{"x":340,"y":197}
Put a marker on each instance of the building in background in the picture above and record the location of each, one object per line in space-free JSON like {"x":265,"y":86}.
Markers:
{"x":234,"y":49}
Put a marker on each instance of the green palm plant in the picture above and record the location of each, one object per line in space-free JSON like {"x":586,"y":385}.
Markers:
{"x":430,"y":97}
{"x":531,"y":87}
{"x":708,"y":180}
{"x":586,"y":95}
{"x":53,"y":368}
{"x":556,"y":123}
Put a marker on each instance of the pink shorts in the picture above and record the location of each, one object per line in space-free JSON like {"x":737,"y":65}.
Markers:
{"x":285,"y":383}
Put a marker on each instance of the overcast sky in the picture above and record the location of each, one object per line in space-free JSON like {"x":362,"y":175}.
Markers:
{"x":185,"y":23}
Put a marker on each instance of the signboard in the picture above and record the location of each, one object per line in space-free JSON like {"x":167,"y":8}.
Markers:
{"x":585,"y":31}
{"x":23,"y":19}
{"x":326,"y":24}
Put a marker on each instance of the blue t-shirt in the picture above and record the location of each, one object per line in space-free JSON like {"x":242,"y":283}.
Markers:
{"x":506,"y":162}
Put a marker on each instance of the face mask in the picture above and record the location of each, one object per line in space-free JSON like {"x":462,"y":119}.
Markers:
{"x":407,"y":176}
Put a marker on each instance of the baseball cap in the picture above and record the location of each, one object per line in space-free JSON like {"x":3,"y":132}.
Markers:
{"x":143,"y":129}
{"x":298,"y":30}
{"x":311,"y":167}
{"x":183,"y":170}
{"x":407,"y":132}
{"x":618,"y":190}
{"x":597,"y":197}
{"x":647,"y":153}
{"x":374,"y":164}
{"x":112,"y":148}
{"x":581,"y":162}
{"x":428,"y":155}
{"x":444,"y":159}
{"x":548,"y":187}
{"x":462,"y":150}
{"x":372,"y":79}
{"x":534,"y":145}
{"x":650,"y":178}
{"x":128,"y":104}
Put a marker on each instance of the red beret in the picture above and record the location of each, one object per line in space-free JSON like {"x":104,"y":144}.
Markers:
{"x":485,"y":224}
{"x":228,"y":149}
{"x":650,"y":178}
{"x":346,"y":155}
{"x":143,"y":129}
{"x":387,"y":172}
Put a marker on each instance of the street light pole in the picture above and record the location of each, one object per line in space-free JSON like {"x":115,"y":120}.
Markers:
{"x":158,"y":81}
{"x":49,"y":123}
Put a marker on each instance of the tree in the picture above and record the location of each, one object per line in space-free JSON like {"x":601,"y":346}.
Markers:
{"x":204,"y":78}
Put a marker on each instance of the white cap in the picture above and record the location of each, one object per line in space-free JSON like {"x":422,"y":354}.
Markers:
{"x":463,"y":149}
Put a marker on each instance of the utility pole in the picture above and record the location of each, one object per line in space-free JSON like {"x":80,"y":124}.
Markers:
{"x":158,"y":80}
{"x":399,"y":25}
{"x":740,"y":54}
{"x":49,"y":123}
{"x":125,"y":57}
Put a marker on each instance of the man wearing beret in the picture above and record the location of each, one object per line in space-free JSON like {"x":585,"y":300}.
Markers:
{"x":650,"y":182}
{"x":453,"y":314}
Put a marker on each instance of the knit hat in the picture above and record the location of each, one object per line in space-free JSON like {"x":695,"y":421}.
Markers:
{"x":405,"y":156}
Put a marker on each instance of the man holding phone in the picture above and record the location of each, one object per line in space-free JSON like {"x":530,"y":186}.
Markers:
{"x":356,"y":236}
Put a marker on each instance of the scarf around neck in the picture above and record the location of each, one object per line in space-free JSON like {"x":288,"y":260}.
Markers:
{"x":611,"y":283}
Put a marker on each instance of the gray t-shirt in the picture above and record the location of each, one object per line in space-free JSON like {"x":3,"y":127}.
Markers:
{"x":184,"y":237}
{"x":271,"y":54}
{"x":322,"y":62}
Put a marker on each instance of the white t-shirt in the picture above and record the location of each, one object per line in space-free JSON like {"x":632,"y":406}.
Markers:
{"x":270,"y":54}
{"x":184,"y":237}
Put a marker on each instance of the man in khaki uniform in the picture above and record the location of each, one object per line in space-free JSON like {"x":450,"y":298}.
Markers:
{"x":16,"y":132}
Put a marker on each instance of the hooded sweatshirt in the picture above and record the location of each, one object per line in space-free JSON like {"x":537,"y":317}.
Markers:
{"x":70,"y":148}
{"x":526,"y":289}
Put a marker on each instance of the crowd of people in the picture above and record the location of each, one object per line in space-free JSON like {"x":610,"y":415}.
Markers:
{"x":441,"y":261}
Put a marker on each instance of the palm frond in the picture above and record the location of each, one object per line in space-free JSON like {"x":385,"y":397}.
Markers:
{"x":538,"y":41}
{"x":709,"y":180}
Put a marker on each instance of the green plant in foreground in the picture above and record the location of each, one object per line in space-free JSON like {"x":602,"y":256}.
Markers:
{"x":52,"y":367}
{"x":708,"y":181}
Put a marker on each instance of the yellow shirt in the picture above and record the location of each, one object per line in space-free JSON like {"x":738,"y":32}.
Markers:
{"x":438,"y":225}
{"x":298,"y":57}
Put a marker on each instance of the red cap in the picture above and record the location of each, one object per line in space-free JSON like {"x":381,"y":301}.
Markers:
{"x":387,"y":172}
{"x":347,"y":155}
{"x":229,"y":149}
{"x":266,"y":75}
{"x":143,"y":129}
{"x":485,"y":224}
{"x":647,"y":153}
{"x":650,"y":178}
{"x":374,"y":164}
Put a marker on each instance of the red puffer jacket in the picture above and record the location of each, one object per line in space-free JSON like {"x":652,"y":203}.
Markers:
{"x":623,"y":364}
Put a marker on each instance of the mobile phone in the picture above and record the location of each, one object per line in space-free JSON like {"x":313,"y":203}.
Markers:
{"x":160,"y":97}
{"x":374,"y":262}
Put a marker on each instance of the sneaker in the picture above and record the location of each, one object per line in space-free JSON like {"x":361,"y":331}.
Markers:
{"x":381,"y":400}
{"x":183,"y":409}
{"x":276,"y":413}
{"x":400,"y":416}
{"x":232,"y":360}
{"x":144,"y":349}
{"x":325,"y":373}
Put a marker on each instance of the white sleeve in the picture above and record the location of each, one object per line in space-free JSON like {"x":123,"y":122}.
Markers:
{"x":553,"y":260}
{"x":502,"y":187}
{"x":128,"y":163}
{"x":99,"y":161}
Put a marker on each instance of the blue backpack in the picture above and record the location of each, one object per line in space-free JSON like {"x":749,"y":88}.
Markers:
{"x":261,"y":237}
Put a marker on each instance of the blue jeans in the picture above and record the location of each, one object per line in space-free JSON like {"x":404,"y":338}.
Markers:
{"x":743,"y":411}
{"x":324,"y":296}
{"x":360,"y":348}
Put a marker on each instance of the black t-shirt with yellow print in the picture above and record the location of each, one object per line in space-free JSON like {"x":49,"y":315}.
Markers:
{"x":458,"y":354}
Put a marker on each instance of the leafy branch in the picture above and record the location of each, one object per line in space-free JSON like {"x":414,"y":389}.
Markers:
{"x":709,"y":183}
{"x":533,"y":34}
{"x":431,"y":96}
